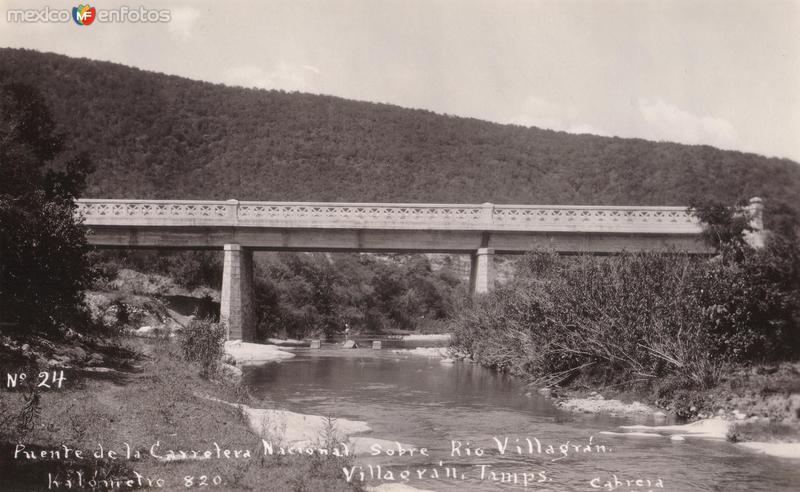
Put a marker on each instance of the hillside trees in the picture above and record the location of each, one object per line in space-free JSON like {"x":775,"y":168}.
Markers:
{"x":43,"y":263}
{"x":159,"y":136}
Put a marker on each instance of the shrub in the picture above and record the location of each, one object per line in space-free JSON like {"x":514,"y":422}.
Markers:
{"x":752,"y":308}
{"x":105,"y":273}
{"x":20,"y":416}
{"x":751,"y":298}
{"x":637,"y":317}
{"x":195,"y":268}
{"x":686,"y":403}
{"x":724,"y":227}
{"x":203,"y":341}
{"x":627,"y":317}
{"x":669,"y":323}
{"x":762,"y":431}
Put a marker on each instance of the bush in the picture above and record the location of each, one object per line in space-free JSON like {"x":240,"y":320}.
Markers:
{"x":203,"y":341}
{"x":751,"y":298}
{"x":195,"y":268}
{"x":104,"y":271}
{"x":19,"y":418}
{"x":190,"y":269}
{"x":637,"y":317}
{"x":626,"y":317}
{"x":752,"y":308}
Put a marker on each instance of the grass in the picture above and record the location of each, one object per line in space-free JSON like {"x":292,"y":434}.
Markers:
{"x":153,"y":401}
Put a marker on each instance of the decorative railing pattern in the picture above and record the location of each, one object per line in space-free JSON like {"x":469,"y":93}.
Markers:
{"x":315,"y":211}
{"x":487,"y":216}
{"x":670,"y":219}
{"x":144,"y":209}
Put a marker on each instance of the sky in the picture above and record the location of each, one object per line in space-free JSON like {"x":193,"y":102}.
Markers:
{"x":723,"y":73}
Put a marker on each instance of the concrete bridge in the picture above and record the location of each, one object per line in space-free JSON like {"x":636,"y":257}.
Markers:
{"x":241,"y":227}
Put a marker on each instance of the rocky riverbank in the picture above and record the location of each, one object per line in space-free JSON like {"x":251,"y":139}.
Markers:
{"x":759,"y":412}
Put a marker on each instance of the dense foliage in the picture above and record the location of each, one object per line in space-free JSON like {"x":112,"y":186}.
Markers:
{"x":751,"y":307}
{"x":750,"y":297}
{"x":161,"y":136}
{"x":302,"y":294}
{"x":666,"y":321}
{"x":202,"y":341}
{"x":726,"y":228}
{"x":630,"y":316}
{"x":189,"y":269}
{"x":43,"y":263}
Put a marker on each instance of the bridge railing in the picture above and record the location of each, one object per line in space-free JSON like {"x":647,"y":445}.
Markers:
{"x":487,"y":216}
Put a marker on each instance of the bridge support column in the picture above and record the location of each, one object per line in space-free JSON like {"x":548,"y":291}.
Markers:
{"x":757,"y":237}
{"x":236,"y":299}
{"x":481,"y":276}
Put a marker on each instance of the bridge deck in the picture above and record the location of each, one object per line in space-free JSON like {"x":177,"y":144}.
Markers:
{"x":307,"y":226}
{"x":232,"y":213}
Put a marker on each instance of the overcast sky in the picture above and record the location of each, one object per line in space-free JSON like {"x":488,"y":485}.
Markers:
{"x":724,"y":73}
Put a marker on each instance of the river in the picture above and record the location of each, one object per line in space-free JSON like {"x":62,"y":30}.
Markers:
{"x":450,"y":408}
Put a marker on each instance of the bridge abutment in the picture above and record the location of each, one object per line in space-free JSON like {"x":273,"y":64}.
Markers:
{"x":482,"y":274}
{"x":236,"y":299}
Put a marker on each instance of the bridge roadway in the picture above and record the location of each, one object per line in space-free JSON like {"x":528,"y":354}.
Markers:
{"x":241,"y":227}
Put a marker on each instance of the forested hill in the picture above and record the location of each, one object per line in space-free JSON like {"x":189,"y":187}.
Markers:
{"x":157,"y":136}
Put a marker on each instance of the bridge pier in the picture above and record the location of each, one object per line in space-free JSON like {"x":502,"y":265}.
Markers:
{"x":758,"y":236}
{"x":482,"y":275}
{"x":236,"y":299}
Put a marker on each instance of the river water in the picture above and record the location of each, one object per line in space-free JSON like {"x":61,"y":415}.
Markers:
{"x":421,"y":402}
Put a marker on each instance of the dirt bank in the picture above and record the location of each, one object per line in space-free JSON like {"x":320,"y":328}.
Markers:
{"x":146,"y":405}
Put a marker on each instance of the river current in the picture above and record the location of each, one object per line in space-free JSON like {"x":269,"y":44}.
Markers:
{"x":487,"y":431}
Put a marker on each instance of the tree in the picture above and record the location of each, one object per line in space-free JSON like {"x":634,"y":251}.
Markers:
{"x":751,"y":299}
{"x":43,"y":249}
{"x":724,"y":227}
